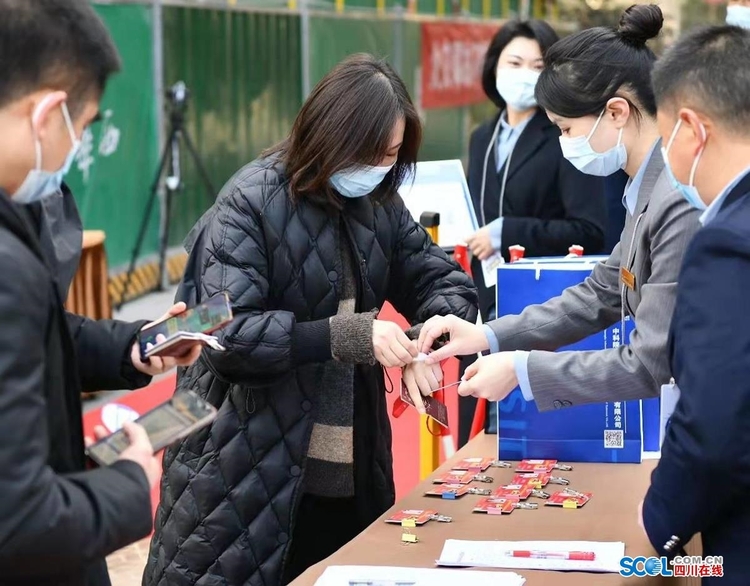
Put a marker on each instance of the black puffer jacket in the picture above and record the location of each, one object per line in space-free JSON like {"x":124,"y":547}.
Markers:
{"x":229,"y":493}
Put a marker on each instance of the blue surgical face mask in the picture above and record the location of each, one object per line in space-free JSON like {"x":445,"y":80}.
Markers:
{"x":583,"y":157}
{"x":359,"y":181}
{"x":39,"y":183}
{"x":738,"y":16}
{"x":689,"y":192}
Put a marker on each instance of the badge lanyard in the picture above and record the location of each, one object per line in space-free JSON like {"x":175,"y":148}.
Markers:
{"x":493,"y":141}
{"x":489,"y":265}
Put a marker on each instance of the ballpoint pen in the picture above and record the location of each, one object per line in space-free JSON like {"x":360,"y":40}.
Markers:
{"x":588,"y":556}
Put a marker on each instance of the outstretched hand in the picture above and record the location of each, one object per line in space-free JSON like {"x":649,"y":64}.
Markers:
{"x":157,"y":365}
{"x":491,"y":377}
{"x":465,"y":338}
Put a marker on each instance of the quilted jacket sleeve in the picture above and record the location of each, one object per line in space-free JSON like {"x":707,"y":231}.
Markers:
{"x":424,"y":281}
{"x":261,"y":342}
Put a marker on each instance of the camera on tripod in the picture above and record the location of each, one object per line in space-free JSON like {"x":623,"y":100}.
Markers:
{"x":170,"y":172}
{"x":178,"y":95}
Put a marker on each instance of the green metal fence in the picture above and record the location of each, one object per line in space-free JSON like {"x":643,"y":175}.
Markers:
{"x":243,"y":71}
{"x":248,"y":65}
{"x":118,"y":156}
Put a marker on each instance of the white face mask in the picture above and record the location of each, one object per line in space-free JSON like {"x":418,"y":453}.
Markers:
{"x":516,"y":86}
{"x":359,"y":181}
{"x":689,"y":192}
{"x":738,"y":16}
{"x":581,"y":154}
{"x":39,"y":183}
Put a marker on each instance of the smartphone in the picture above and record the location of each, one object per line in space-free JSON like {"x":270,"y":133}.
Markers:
{"x":165,"y":424}
{"x":182,"y":331}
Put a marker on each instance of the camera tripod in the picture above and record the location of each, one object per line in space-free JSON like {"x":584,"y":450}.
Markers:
{"x":171,"y":158}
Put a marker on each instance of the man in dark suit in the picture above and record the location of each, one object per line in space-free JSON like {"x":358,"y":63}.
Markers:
{"x":702,"y":483}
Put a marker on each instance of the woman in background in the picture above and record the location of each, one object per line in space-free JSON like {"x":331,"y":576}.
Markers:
{"x":596,"y":87}
{"x":524,"y":191}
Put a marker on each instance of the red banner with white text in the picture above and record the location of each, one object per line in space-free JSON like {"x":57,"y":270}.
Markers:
{"x":452,"y":57}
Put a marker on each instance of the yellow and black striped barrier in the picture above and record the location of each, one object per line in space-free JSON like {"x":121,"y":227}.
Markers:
{"x":429,"y":443}
{"x":145,"y":278}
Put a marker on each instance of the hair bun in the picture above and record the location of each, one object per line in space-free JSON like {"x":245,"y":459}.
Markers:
{"x":639,"y":23}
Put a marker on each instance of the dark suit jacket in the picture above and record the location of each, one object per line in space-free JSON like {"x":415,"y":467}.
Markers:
{"x":548,"y":206}
{"x":57,"y":521}
{"x":702,"y":483}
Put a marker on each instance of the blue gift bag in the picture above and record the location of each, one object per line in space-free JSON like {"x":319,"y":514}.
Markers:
{"x":606,"y":432}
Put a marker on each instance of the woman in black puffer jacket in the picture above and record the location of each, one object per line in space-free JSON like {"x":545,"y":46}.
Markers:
{"x":309,"y":242}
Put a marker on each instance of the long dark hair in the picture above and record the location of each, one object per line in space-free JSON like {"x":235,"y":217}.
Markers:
{"x":584,"y":71}
{"x":538,"y":30}
{"x":348,"y":120}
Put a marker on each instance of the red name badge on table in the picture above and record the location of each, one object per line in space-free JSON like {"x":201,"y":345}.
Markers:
{"x":474,"y":464}
{"x":568,"y":499}
{"x":534,"y":479}
{"x":449,"y":491}
{"x":514,"y":491}
{"x":496,"y":506}
{"x":536,"y":466}
{"x":419,"y":516}
{"x":454,"y":477}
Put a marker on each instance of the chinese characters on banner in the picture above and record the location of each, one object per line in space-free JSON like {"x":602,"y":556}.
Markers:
{"x":452,"y":57}
{"x":108,"y":143}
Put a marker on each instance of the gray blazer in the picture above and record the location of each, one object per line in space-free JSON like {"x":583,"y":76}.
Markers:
{"x":652,"y":245}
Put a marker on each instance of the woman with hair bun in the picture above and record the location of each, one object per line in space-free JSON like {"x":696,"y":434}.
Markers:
{"x":524,"y":191}
{"x":596,"y":88}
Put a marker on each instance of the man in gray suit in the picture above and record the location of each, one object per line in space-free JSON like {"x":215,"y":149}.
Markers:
{"x":608,"y":124}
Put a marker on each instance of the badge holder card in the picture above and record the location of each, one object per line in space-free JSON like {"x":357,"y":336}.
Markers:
{"x":541,"y":466}
{"x":475,"y":465}
{"x":569,"y":499}
{"x":418,"y":517}
{"x":495,"y":506}
{"x":434,"y":408}
{"x":501,"y":506}
{"x":455,"y":491}
{"x":460,"y":477}
{"x":515,"y":491}
{"x":539,"y":479}
{"x":489,"y":269}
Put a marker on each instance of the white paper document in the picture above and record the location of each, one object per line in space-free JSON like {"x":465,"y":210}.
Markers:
{"x":489,"y":269}
{"x":393,"y":576}
{"x":440,"y":186}
{"x":513,"y":555}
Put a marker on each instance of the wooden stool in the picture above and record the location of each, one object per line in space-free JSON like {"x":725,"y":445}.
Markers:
{"x":89,"y":292}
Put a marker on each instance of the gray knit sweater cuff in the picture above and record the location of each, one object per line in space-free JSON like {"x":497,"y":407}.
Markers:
{"x":351,"y":338}
{"x":413,"y":332}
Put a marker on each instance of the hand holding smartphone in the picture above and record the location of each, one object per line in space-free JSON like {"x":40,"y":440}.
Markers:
{"x":140,"y":451}
{"x":181,"y":332}
{"x":164,"y":425}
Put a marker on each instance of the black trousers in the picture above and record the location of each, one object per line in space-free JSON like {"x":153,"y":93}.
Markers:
{"x":323,"y":525}
{"x":466,"y":405}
